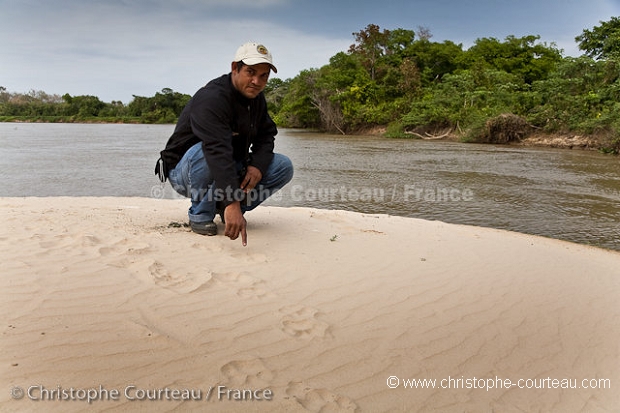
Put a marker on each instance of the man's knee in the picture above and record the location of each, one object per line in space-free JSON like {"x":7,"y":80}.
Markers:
{"x":284,"y":167}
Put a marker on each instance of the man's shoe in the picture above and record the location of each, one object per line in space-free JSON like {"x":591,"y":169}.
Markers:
{"x":203,"y":228}
{"x":219,"y":210}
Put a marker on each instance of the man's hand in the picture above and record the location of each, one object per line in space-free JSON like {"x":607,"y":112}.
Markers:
{"x":235,"y":223}
{"x":252,"y":177}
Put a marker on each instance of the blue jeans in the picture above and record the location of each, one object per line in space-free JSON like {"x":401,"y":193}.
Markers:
{"x":192,"y":178}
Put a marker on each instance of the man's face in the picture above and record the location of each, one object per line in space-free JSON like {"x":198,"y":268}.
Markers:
{"x":250,"y":80}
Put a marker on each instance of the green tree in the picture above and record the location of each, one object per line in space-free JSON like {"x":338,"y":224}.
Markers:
{"x":114,"y":109}
{"x":434,"y":60}
{"x":580,"y":95}
{"x":275,"y":91}
{"x":464,"y":100}
{"x":138,"y":105}
{"x":164,"y":107}
{"x":371,"y":44}
{"x":4,"y":96}
{"x":297,"y":110}
{"x":520,"y":56}
{"x":398,"y":41}
{"x":602,"y":41}
{"x":82,"y":106}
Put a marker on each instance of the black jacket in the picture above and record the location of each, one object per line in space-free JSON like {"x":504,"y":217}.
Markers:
{"x":229,"y":125}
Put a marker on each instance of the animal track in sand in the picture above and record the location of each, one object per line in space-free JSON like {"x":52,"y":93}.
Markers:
{"x":251,"y":373}
{"x":125,"y":247}
{"x":185,"y":283}
{"x":68,"y":244}
{"x":319,"y":400}
{"x":301,"y":322}
{"x":149,"y":270}
{"x":255,"y":291}
{"x":62,"y":248}
{"x":161,"y":276}
{"x":154,"y":271}
{"x":212,"y":247}
{"x":250,"y":258}
{"x":245,"y":285}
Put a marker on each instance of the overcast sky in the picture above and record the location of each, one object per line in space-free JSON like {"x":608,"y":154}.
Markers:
{"x":114,"y":49}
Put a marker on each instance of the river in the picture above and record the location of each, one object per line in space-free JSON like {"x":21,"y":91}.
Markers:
{"x":571,"y":195}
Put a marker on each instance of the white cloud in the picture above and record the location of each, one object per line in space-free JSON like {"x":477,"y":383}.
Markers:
{"x":110,"y":51}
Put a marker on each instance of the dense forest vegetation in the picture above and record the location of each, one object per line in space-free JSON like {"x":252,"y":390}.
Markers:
{"x":35,"y":106}
{"x":495,"y":91}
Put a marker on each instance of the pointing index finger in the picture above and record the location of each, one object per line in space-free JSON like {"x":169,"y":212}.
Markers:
{"x":244,"y":234}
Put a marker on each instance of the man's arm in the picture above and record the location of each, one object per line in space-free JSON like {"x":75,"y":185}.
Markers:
{"x":263,"y":144}
{"x":210,"y":122}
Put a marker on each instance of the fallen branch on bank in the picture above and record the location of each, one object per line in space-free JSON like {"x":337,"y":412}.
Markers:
{"x":428,"y":136}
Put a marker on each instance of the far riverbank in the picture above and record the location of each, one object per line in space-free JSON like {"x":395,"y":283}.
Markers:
{"x":601,"y":142}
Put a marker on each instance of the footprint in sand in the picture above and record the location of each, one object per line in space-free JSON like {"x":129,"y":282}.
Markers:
{"x":247,"y":373}
{"x":302,"y":322}
{"x":319,"y":400}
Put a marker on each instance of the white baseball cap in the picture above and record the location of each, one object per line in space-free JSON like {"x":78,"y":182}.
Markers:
{"x":254,"y":53}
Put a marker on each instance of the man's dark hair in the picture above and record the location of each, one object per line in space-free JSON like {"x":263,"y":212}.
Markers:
{"x":240,"y":65}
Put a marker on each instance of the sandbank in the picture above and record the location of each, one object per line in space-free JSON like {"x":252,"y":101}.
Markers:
{"x":323,"y":311}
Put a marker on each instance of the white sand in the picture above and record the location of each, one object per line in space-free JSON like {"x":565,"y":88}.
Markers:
{"x":320,"y":309}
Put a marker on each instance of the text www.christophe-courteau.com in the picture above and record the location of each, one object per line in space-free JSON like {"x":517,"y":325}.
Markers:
{"x":487,"y":384}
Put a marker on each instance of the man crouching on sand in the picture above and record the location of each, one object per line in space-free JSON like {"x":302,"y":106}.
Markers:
{"x":221,"y":152}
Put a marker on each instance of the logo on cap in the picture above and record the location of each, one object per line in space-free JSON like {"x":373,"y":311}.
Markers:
{"x":261,"y":49}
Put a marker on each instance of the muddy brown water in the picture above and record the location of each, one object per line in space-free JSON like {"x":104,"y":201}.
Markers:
{"x":572,"y":195}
